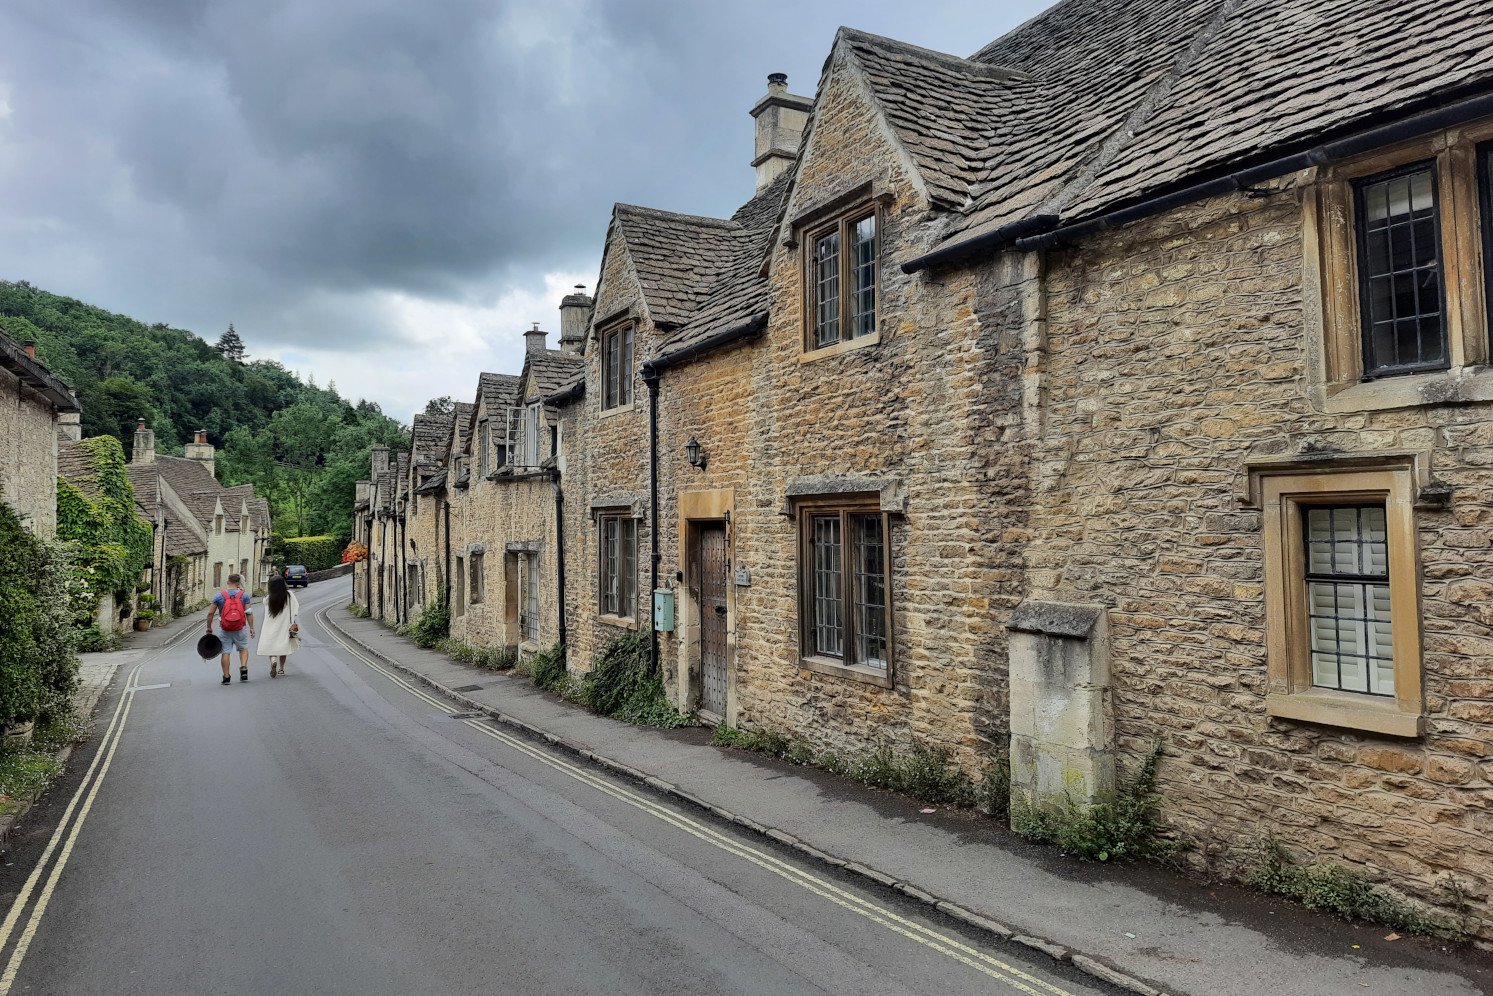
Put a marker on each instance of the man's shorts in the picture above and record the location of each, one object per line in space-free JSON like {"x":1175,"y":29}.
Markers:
{"x":234,"y":638}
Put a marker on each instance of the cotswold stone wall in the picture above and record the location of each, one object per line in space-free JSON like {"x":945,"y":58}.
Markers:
{"x":526,"y":518}
{"x":425,"y":547}
{"x":1177,"y":348}
{"x":482,"y":505}
{"x":931,"y":410}
{"x":28,"y":456}
{"x":606,"y":463}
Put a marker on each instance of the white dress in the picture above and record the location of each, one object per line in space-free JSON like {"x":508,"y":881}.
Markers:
{"x":274,"y":631}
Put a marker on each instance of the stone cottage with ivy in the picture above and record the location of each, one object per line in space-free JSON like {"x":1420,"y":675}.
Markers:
{"x":34,"y":402}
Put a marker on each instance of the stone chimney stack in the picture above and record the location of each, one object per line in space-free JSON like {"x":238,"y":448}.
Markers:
{"x":380,"y":462}
{"x":201,"y":450}
{"x":575,"y":316}
{"x":70,"y":426}
{"x":360,"y":495}
{"x":145,"y":444}
{"x":781,"y":117}
{"x":30,"y":347}
{"x":534,"y":340}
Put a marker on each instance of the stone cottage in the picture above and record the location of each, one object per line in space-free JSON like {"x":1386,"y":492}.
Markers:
{"x":33,"y":401}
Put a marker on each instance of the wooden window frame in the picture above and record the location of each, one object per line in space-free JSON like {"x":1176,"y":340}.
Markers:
{"x":843,"y":222}
{"x":1291,"y":693}
{"x":616,"y":616}
{"x":477,"y":578}
{"x":618,"y":396}
{"x":843,"y":666}
{"x":1331,"y":226}
{"x":1484,"y":153}
{"x":1365,"y":326}
{"x":484,"y":447}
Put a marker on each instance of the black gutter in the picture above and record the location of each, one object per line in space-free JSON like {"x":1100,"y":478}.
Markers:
{"x":746,"y":330}
{"x":650,"y":378}
{"x":383,"y":553}
{"x":1048,"y":236}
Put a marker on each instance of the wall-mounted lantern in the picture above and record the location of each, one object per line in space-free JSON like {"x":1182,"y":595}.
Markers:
{"x":695,"y":452}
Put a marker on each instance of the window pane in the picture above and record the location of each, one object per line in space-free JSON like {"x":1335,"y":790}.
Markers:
{"x":863,"y":278}
{"x":1401,"y":259}
{"x":609,"y":558}
{"x":627,"y":584}
{"x":870,"y":592}
{"x":624,"y":367}
{"x":824,"y":610}
{"x":1348,"y":606}
{"x":827,"y":289}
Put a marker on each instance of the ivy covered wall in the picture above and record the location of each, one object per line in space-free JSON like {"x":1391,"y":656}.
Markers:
{"x":38,"y":670}
{"x":109,"y":544}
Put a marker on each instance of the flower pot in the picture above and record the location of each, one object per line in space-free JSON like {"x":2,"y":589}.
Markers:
{"x":142,"y":625}
{"x":20,"y":733}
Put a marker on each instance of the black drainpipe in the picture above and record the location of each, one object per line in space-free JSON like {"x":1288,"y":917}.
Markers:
{"x":559,"y":533}
{"x":650,"y":378}
{"x":446,"y":506}
{"x":383,"y":562}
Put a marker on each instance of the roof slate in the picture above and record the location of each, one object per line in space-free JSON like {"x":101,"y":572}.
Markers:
{"x":1097,"y":103}
{"x":429,"y":435}
{"x":75,"y":466}
{"x":553,"y":369}
{"x":676,"y":256}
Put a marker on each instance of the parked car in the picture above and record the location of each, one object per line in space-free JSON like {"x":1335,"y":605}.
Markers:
{"x":296,"y":576}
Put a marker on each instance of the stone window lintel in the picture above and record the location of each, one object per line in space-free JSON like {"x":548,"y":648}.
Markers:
{"x":892,"y":493}
{"x":1426,"y":492}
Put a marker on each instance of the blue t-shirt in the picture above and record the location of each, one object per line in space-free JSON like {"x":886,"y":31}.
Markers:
{"x":218,"y":598}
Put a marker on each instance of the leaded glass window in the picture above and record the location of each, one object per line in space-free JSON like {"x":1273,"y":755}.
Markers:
{"x":528,"y":596}
{"x":1400,"y":270}
{"x":846,"y":607}
{"x":1347,"y":597}
{"x":827,"y":289}
{"x":619,"y":564}
{"x":616,"y":367}
{"x":841,"y":273}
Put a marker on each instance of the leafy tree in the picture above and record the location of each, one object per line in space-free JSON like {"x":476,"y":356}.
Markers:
{"x":444,"y":405}
{"x":123,"y":370}
{"x":231,"y":345}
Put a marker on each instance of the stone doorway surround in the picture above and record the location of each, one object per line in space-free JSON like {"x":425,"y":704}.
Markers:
{"x":709,"y":509}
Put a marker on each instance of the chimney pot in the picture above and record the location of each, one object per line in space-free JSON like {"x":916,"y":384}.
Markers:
{"x":70,"y":426}
{"x":781,"y":118}
{"x":145,"y":444}
{"x":30,"y":346}
{"x":202,"y":451}
{"x":575,"y":316}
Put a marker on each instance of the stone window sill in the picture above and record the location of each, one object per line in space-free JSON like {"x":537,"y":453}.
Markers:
{"x":621,"y":622}
{"x":844,"y":346}
{"x":619,"y":410}
{"x":837,"y":669}
{"x":1344,"y":709}
{"x":1442,"y":387}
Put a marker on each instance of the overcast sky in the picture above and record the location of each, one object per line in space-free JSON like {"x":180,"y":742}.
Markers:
{"x":379,"y":192}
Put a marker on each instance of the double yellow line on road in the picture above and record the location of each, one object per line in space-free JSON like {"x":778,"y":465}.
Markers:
{"x":68,"y":828}
{"x":952,"y":947}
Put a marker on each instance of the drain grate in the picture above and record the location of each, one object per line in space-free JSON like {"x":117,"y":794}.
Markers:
{"x":466,"y":715}
{"x":468,"y":688}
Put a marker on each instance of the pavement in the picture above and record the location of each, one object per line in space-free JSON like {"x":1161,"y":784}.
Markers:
{"x":1141,"y":927}
{"x":344,"y":830}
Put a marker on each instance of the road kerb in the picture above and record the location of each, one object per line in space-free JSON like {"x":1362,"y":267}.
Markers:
{"x":1084,"y":963}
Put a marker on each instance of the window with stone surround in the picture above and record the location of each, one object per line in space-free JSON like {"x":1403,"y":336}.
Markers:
{"x":617,"y":567}
{"x":845,"y":608}
{"x":616,"y":366}
{"x":1485,"y":178}
{"x":484,"y":446}
{"x":1342,"y":599}
{"x":841,"y":269}
{"x":1401,"y":242}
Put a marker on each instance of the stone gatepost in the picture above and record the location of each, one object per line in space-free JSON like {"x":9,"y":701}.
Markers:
{"x":1062,"y":725}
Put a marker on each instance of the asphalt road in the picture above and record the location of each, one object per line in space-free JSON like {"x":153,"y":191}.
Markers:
{"x":338,"y":831}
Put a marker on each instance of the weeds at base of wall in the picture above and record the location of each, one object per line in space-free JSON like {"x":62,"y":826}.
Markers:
{"x":492,"y":658}
{"x":358,"y":610}
{"x":620,"y":685}
{"x":924,"y":771}
{"x":1122,"y":825}
{"x":92,"y":640}
{"x":433,"y":624}
{"x":1348,"y":895}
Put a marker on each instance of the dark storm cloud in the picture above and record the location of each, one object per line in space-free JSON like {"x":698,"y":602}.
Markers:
{"x":200,"y":162}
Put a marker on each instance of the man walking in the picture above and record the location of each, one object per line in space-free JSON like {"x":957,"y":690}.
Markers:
{"x":235,"y":625}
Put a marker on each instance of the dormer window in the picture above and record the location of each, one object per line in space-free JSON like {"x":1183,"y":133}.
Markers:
{"x":616,"y":366}
{"x":484,"y":446}
{"x":531,"y":435}
{"x":840,"y":266}
{"x":218,"y":524}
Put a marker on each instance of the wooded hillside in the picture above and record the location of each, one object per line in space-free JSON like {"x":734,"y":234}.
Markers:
{"x":301,"y":445}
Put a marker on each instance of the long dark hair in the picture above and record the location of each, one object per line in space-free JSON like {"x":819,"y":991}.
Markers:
{"x":279,"y":595}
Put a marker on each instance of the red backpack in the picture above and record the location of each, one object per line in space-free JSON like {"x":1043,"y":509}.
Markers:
{"x":232,"y":616}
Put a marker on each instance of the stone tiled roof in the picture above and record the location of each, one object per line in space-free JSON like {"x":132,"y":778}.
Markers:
{"x":739,"y":292}
{"x":677,"y":257}
{"x":183,"y":539}
{"x":1098,"y":103}
{"x":573,"y":387}
{"x":429,"y":435}
{"x":203,"y":505}
{"x":553,"y":369}
{"x":497,"y":391}
{"x":259,"y":510}
{"x":231,"y":505}
{"x":146,"y":481}
{"x":434,"y":483}
{"x":402,"y":473}
{"x":75,"y":466}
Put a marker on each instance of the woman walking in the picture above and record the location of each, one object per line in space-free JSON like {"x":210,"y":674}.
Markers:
{"x":277,"y":636}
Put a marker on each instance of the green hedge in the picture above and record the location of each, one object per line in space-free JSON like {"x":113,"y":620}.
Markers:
{"x":38,"y":671}
{"x":317,"y":553}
